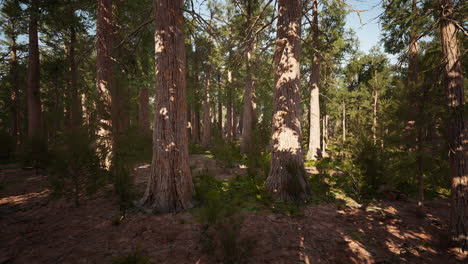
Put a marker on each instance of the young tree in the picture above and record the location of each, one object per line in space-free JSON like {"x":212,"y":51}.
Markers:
{"x":457,"y":129}
{"x":34,"y":99}
{"x":170,"y":186}
{"x":286,"y":179}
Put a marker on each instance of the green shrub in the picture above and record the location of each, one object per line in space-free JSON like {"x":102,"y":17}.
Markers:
{"x":36,"y":154}
{"x":226,"y":152}
{"x":75,"y":167}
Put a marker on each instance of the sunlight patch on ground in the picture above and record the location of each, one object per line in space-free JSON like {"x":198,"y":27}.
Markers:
{"x":20,"y":199}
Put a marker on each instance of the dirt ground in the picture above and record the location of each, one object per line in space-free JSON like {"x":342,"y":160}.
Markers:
{"x":37,"y":229}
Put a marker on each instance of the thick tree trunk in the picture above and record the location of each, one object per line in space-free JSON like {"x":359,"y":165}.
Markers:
{"x":286,"y":179}
{"x":457,"y":128}
{"x":314,"y":152}
{"x":143,"y":111}
{"x":170,"y":186}
{"x":206,"y":137}
{"x":104,"y":74}
{"x":33,"y":94}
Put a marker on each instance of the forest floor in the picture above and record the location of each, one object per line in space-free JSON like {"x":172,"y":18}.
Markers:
{"x":37,"y":229}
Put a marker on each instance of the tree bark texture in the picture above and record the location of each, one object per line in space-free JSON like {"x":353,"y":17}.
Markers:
{"x":314,"y":152}
{"x":206,"y":136}
{"x":286,"y":179}
{"x":33,"y":92}
{"x":457,"y":127}
{"x":170,"y":186}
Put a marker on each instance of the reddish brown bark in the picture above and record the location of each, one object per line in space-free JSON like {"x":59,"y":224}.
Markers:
{"x":15,"y":95}
{"x":33,"y":93}
{"x":286,"y":179}
{"x":457,"y":127}
{"x":229,"y":114}
{"x":170,"y":186}
{"x":206,"y":136}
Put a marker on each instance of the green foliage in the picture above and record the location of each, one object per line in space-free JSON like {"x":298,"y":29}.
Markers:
{"x":221,"y":204}
{"x":35,"y":154}
{"x":75,"y":167}
{"x":226,"y":152}
{"x":134,"y":257}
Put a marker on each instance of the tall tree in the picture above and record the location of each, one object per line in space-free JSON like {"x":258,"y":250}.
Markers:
{"x":170,"y":186}
{"x":34,"y":98}
{"x":314,"y":152}
{"x":457,"y":127}
{"x":104,"y":69}
{"x":286,"y":179}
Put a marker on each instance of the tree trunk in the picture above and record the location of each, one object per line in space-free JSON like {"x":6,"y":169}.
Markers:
{"x":286,"y":179}
{"x":104,"y":74}
{"x":196,"y":125}
{"x":457,"y":129}
{"x":248,"y":106}
{"x":314,"y":152}
{"x":206,"y":137}
{"x":143,"y":111}
{"x":76,"y":118}
{"x":15,"y":95}
{"x":374,"y":116}
{"x":170,"y":186}
{"x":34,"y":99}
{"x":344,"y":122}
{"x":324,"y":135}
{"x":229,"y":116}
{"x":220,"y":106}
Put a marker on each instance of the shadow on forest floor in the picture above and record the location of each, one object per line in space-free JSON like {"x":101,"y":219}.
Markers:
{"x":37,"y":229}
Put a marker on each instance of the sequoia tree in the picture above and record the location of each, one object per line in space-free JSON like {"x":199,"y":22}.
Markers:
{"x":457,"y":128}
{"x":286,"y":179}
{"x":314,"y":151}
{"x":170,"y":186}
{"x":34,"y":99}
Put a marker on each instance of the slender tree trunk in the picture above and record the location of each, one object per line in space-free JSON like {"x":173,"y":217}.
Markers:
{"x":229,"y":116}
{"x":413,"y":72}
{"x":324,"y":135}
{"x":235,"y":124}
{"x":286,"y":179}
{"x":104,"y":74}
{"x":457,"y":128}
{"x":15,"y":96}
{"x":76,"y":118}
{"x":374,"y":116}
{"x":314,"y":152}
{"x":143,"y":111}
{"x":220,"y":106}
{"x":196,"y":125}
{"x":248,"y":106}
{"x":206,"y":138}
{"x":344,"y":122}
{"x":170,"y":186}
{"x":34,"y":99}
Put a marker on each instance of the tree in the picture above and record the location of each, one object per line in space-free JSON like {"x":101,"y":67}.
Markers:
{"x":104,"y":71}
{"x":286,"y":179}
{"x":457,"y":129}
{"x":314,"y":152}
{"x":170,"y":186}
{"x":34,"y":93}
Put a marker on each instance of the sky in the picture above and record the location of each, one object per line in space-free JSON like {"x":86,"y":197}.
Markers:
{"x":368,"y":31}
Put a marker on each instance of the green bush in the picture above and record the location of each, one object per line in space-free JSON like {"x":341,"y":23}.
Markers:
{"x":226,"y":152}
{"x":75,"y":167}
{"x":36,"y":154}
